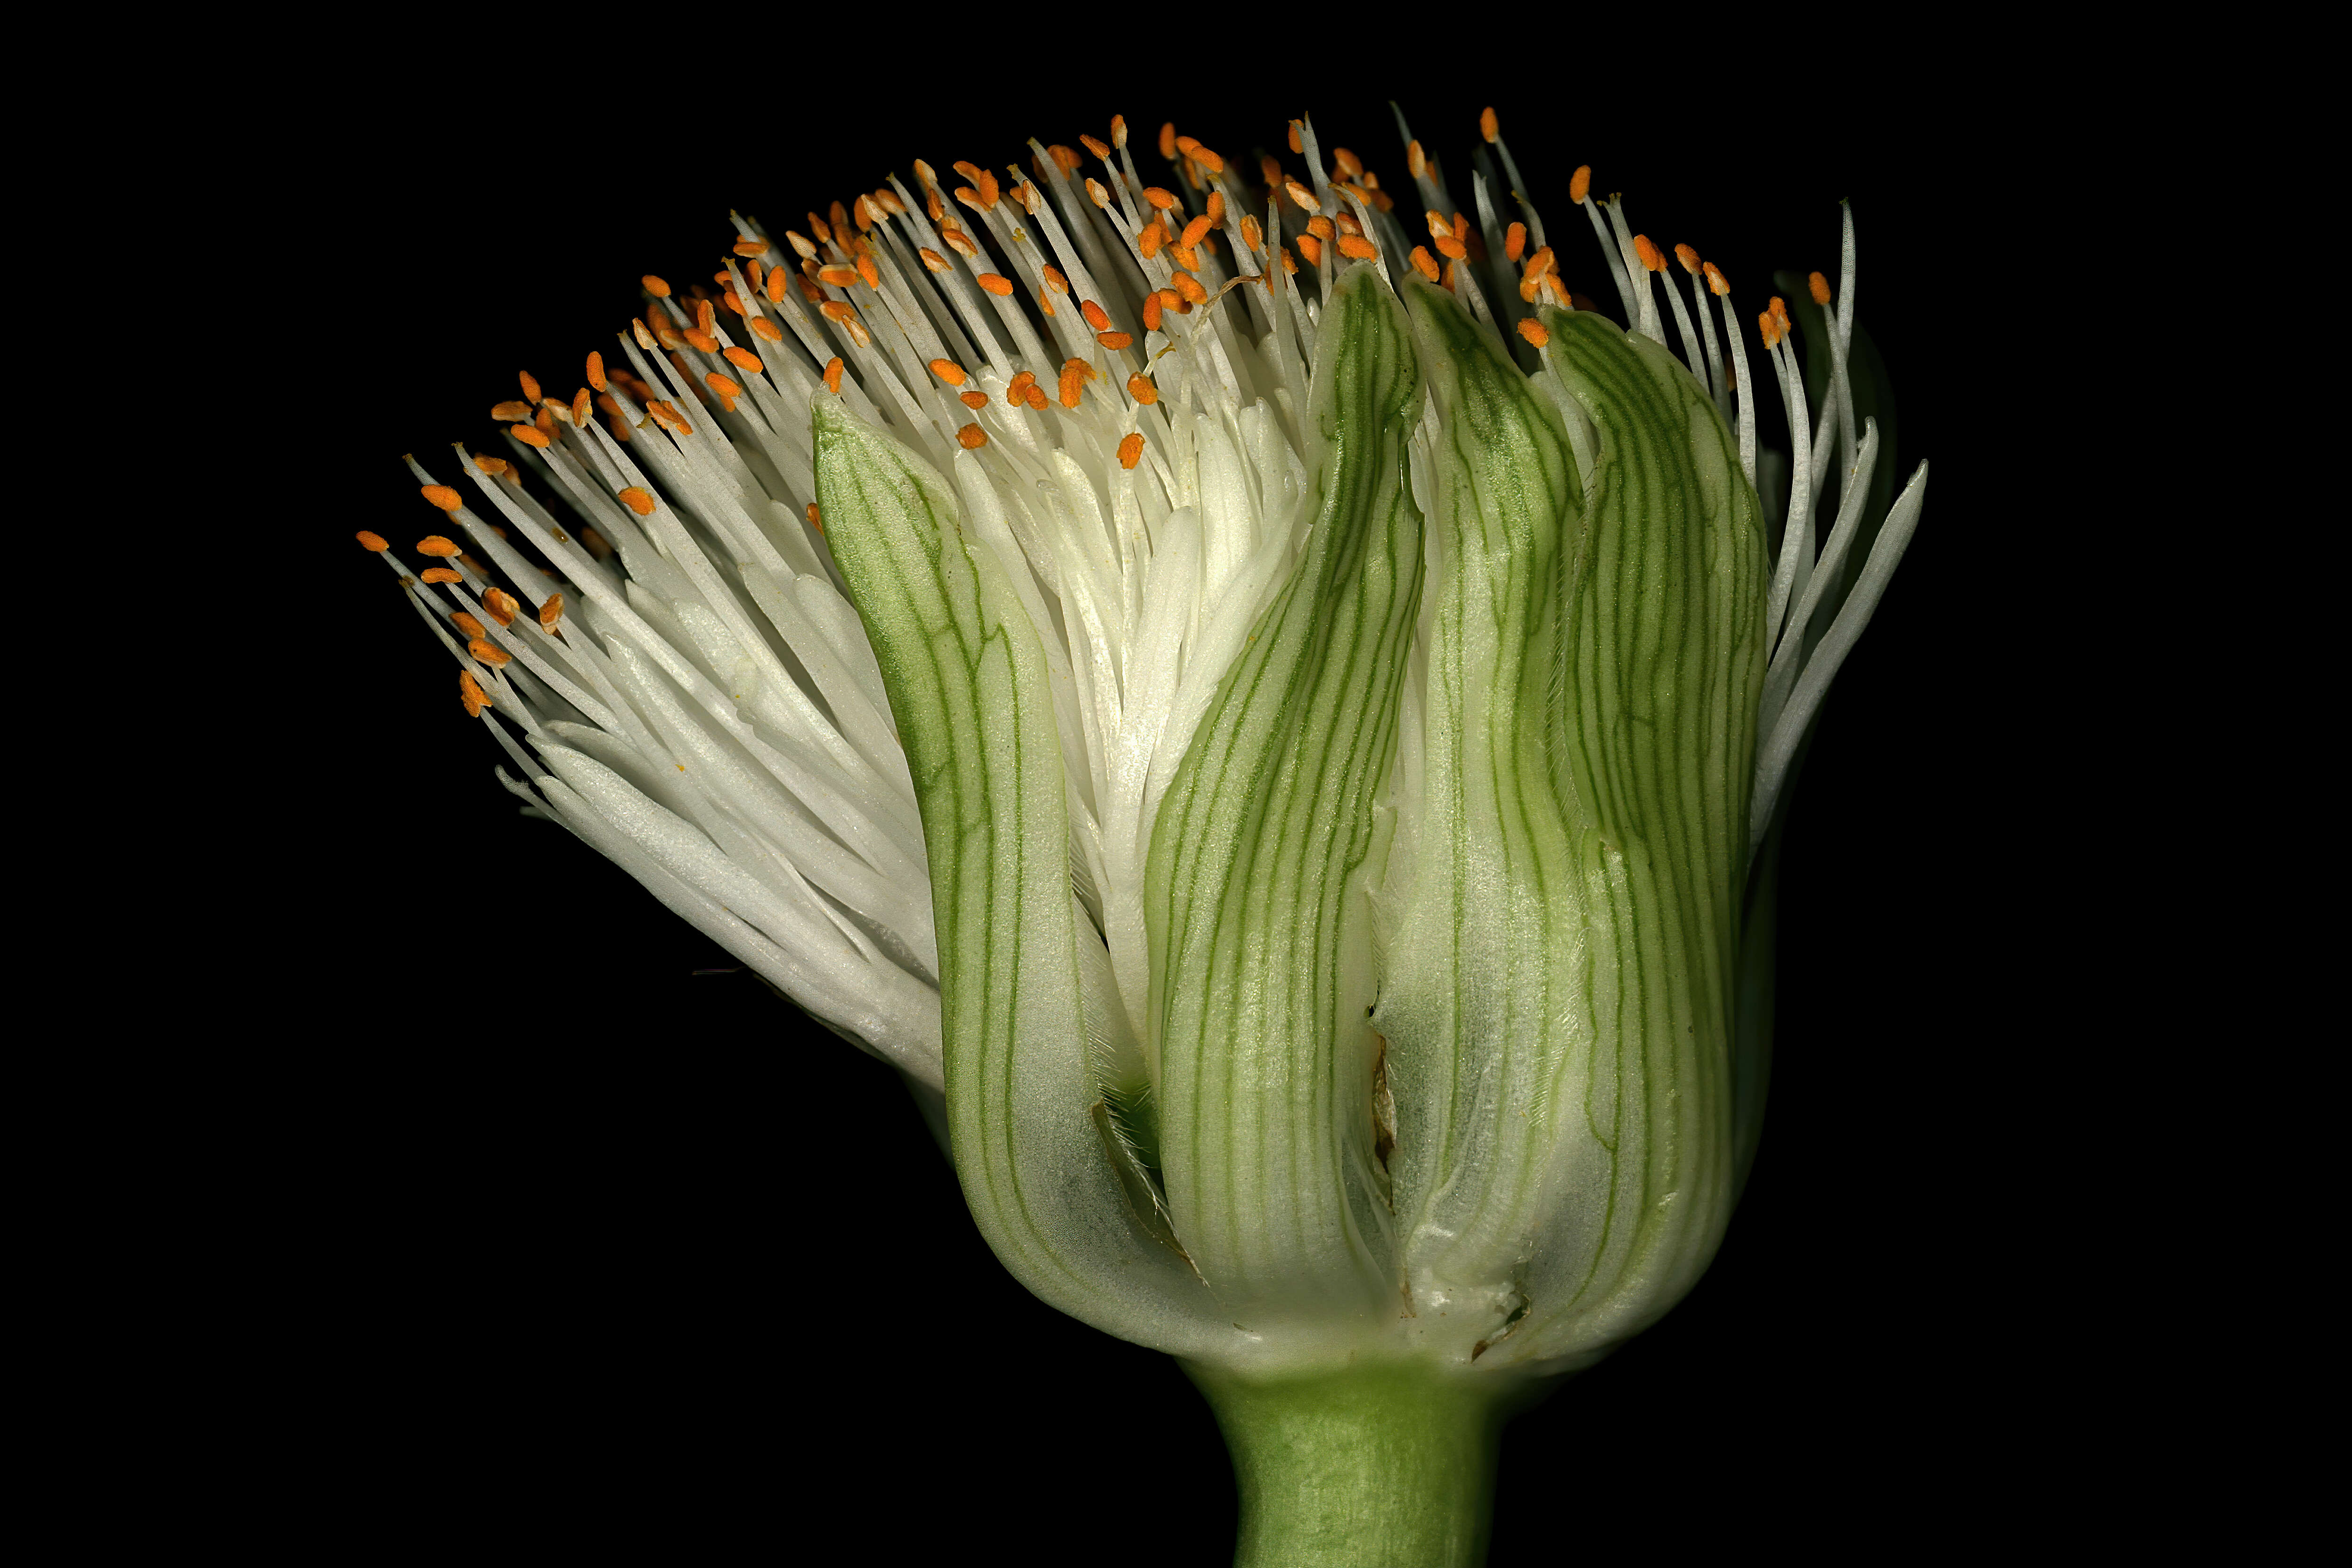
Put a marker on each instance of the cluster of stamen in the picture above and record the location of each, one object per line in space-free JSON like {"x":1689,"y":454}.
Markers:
{"x":1066,"y":319}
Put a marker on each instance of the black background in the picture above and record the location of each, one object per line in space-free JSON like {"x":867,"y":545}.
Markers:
{"x":547,"y":1233}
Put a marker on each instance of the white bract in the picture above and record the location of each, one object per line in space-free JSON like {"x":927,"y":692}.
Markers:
{"x":1343,"y":701}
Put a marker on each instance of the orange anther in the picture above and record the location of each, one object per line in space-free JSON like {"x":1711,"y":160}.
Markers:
{"x":1780,"y":308}
{"x":996,"y":283}
{"x":972,"y":437}
{"x":501,"y":606}
{"x":667,"y":417}
{"x":1423,"y":263}
{"x":1311,"y":249}
{"x":582,"y":406}
{"x":867,"y":270}
{"x":800,"y":244}
{"x":1252,"y":234}
{"x":1540,"y":262}
{"x":443,"y":497}
{"x":1350,"y":164}
{"x":833,"y":375}
{"x":1452,"y":248}
{"x":1193,"y":231}
{"x":1535,"y":331}
{"x":436,"y":545}
{"x":1216,"y":207}
{"x":489,"y":653}
{"x":1300,"y":196}
{"x":1072,"y":383}
{"x":947,"y":370}
{"x":1821,"y":287}
{"x":1207,"y":159}
{"x":1579,"y":183}
{"x":1054,"y":280}
{"x":442,"y":574}
{"x":819,"y":228}
{"x":1096,"y":317}
{"x":1296,"y":145}
{"x":532,"y":436}
{"x":1688,"y":257}
{"x":1139,"y":387}
{"x":1647,"y":250}
{"x":1515,"y":241}
{"x":467,"y":624}
{"x":551,"y":612}
{"x":836,"y":277}
{"x":1416,"y":162}
{"x":1130,"y":449}
{"x":840,"y":217}
{"x":1119,"y":131}
{"x":1033,"y":396}
{"x":1100,"y":148}
{"x":746,"y":245}
{"x":1163,"y":200}
{"x":654,"y":286}
{"x":1151,"y":312}
{"x":372,"y":541}
{"x":764,"y":329}
{"x":492,"y":465}
{"x":701,"y":340}
{"x":638,"y":499}
{"x":1168,"y":140}
{"x":1114,"y":340}
{"x":1151,"y":237}
{"x":471,"y":692}
{"x":1189,"y":288}
{"x":512,"y":409}
{"x":743,"y":359}
{"x":973,"y":399}
{"x":1716,"y":282}
{"x":1488,"y":126}
{"x":817,"y":519}
{"x":1356,"y":245}
{"x":1097,"y":194}
{"x":835,"y":311}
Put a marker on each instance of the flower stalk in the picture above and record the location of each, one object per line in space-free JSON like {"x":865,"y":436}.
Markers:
{"x":1299,"y":796}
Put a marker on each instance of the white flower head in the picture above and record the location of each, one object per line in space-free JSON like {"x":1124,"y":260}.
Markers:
{"x":1160,"y":626}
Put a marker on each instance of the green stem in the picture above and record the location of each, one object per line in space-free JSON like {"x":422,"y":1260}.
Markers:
{"x":1388,"y":1465}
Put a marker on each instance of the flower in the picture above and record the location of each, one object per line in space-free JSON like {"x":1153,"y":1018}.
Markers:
{"x":1266,"y":706}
